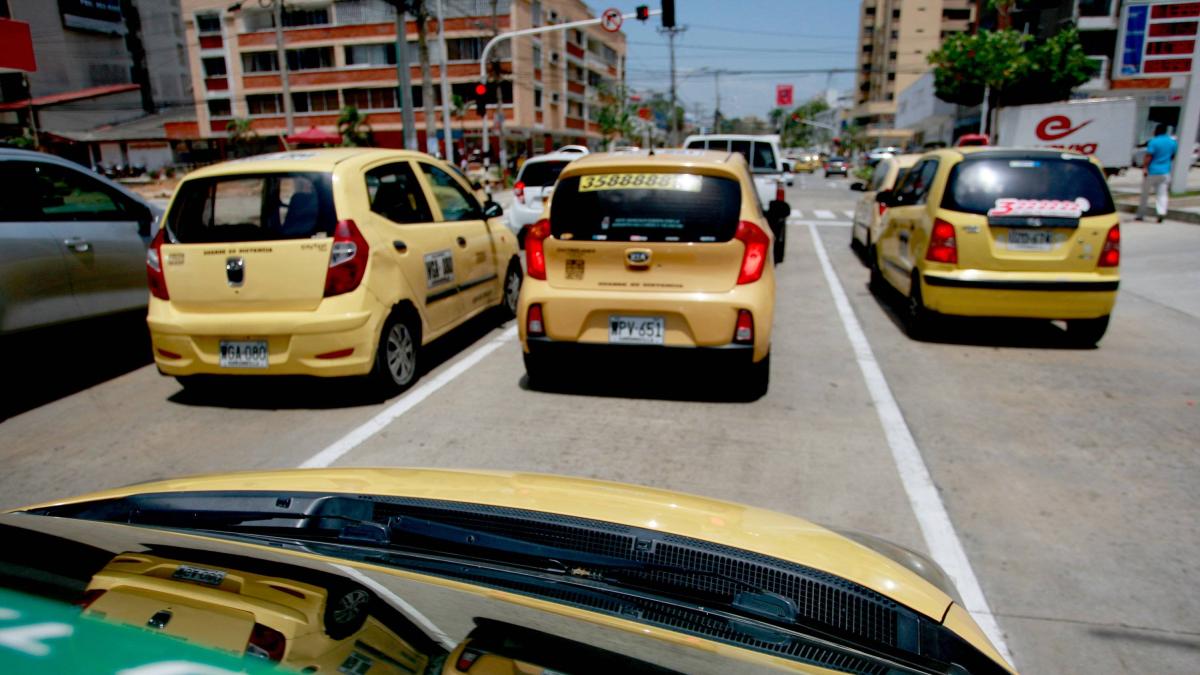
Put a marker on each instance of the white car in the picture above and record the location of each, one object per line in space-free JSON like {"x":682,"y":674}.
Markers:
{"x":534,"y":184}
{"x":877,"y":154}
{"x":769,"y":173}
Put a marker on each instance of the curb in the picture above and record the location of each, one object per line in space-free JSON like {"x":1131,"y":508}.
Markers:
{"x":1182,"y":216}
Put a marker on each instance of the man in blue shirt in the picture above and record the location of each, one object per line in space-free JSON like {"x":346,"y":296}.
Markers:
{"x":1159,"y":153}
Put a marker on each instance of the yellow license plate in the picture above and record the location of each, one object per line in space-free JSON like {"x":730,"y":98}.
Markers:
{"x":683,"y":182}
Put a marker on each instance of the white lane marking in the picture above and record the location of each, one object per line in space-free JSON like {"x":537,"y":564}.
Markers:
{"x":411,"y":612}
{"x":796,"y":213}
{"x":943,"y":542}
{"x":821,"y":223}
{"x":824,"y":215}
{"x":407,"y":402}
{"x":849,"y":214}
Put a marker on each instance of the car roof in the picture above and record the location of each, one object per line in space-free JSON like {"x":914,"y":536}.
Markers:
{"x":557,"y":156}
{"x":905,"y":160}
{"x":773,"y":138}
{"x":320,"y":159}
{"x":662,"y":157}
{"x":999,"y":152}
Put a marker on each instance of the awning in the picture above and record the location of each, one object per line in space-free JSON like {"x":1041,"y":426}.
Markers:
{"x":315,"y":136}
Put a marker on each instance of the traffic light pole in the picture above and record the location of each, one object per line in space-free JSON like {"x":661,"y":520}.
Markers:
{"x":483,"y":59}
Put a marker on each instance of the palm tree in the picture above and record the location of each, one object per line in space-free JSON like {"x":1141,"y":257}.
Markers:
{"x":458,"y":108}
{"x":355,"y":129}
{"x":241,"y":135}
{"x":421,"y":12}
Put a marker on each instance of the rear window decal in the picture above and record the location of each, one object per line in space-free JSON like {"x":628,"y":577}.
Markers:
{"x":1008,"y":206}
{"x":640,"y":181}
{"x":439,"y":268}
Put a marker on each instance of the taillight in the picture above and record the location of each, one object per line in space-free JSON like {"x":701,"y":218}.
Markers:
{"x":266,"y":643}
{"x":942,"y":246}
{"x":754,"y":259}
{"x":519,"y":191}
{"x":535,"y":249}
{"x":743,"y":332}
{"x":534,"y":325}
{"x":1110,"y":255}
{"x":467,"y":659}
{"x":882,"y":208}
{"x":155,"y":278}
{"x":89,"y":597}
{"x":347,"y":259}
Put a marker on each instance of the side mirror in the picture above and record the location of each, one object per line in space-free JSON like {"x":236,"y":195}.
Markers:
{"x":145,"y":219}
{"x":787,"y":166}
{"x":886,"y":197}
{"x":475,"y":185}
{"x":858,"y":186}
{"x":492,"y":210}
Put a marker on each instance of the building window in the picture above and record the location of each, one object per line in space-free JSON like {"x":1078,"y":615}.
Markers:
{"x":264,"y":104}
{"x":260,"y":62}
{"x":536,"y":10}
{"x":891,"y":77}
{"x":609,"y":55}
{"x":208,"y":24}
{"x":895,"y":14}
{"x":537,"y":56}
{"x":371,"y":55}
{"x":380,"y":98}
{"x":310,"y":59}
{"x":219,"y":107}
{"x":257,"y":20}
{"x":891,"y":56}
{"x":214,"y":66}
{"x":960,"y":14}
{"x":895,"y":34}
{"x":574,"y":108}
{"x":537,"y":98}
{"x":577,"y":36}
{"x":315,"y":101}
{"x":357,"y":12}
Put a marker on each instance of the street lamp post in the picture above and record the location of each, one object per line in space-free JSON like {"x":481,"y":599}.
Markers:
{"x":280,"y":57}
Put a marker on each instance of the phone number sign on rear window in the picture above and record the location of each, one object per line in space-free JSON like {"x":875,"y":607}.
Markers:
{"x":682,"y":182}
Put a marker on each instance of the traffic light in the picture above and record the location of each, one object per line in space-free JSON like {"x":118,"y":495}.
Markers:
{"x":481,"y":99}
{"x":668,"y":13}
{"x":643,"y":12}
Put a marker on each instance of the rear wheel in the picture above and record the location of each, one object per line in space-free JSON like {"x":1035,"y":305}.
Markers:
{"x":780,"y":242}
{"x":512,"y":290}
{"x":876,"y":283}
{"x":918,"y":319}
{"x":758,"y":379}
{"x":1086,"y":332}
{"x":396,"y":359}
{"x":346,"y":611}
{"x":538,"y":370}
{"x":196,"y":383}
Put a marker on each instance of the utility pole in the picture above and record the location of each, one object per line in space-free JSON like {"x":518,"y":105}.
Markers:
{"x":717,"y":110}
{"x":407,"y":117}
{"x":281,"y":56}
{"x":448,"y":130}
{"x":673,"y":121}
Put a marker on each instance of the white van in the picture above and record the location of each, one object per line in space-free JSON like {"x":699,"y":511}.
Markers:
{"x":768,"y":168}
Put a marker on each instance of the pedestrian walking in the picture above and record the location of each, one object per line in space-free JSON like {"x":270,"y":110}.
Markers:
{"x":1159,"y":153}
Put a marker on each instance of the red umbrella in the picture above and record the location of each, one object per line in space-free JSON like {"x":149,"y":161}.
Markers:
{"x":315,"y":136}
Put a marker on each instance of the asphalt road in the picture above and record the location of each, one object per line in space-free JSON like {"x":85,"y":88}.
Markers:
{"x":1067,"y":476}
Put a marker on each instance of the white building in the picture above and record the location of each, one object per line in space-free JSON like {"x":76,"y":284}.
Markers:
{"x":921,"y":112}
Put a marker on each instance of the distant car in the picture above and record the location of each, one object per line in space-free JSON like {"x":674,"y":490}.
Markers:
{"x":807,"y":163}
{"x":869,"y":214}
{"x":970,"y":140}
{"x":837,"y":166}
{"x":534,"y":183}
{"x":72,"y":245}
{"x":577,"y":149}
{"x":1001,"y":232}
{"x":875,"y":155}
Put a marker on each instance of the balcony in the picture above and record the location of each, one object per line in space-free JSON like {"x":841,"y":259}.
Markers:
{"x":575,"y":50}
{"x":575,"y":123}
{"x":575,"y":88}
{"x":216,"y":83}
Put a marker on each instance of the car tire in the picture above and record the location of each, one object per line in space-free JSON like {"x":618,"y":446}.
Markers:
{"x":346,"y":610}
{"x":918,"y":319}
{"x":876,"y":283}
{"x":198,"y":384}
{"x":781,"y":243}
{"x":397,"y":358}
{"x":510,"y":292}
{"x":1086,"y":332}
{"x":758,"y":380}
{"x":538,"y":371}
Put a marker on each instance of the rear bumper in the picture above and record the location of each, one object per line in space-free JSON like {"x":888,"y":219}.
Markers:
{"x":294,"y":339}
{"x":598,"y":356}
{"x":1045,"y":296}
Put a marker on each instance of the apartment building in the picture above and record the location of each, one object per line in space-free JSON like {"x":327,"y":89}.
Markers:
{"x":342,"y":53}
{"x":895,"y":40}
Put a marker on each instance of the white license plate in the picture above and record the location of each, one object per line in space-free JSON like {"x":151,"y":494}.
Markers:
{"x":1030,"y":240}
{"x":243,"y":353}
{"x":635,"y":330}
{"x":199,"y":575}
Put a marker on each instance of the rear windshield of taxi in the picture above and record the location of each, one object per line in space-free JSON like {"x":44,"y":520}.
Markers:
{"x":260,"y":207}
{"x":986,"y":184}
{"x":541,"y":173}
{"x":653,"y":207}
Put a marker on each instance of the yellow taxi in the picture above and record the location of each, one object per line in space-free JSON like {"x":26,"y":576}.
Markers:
{"x":484,"y":572}
{"x":1001,"y":232}
{"x":325,"y":262}
{"x":291,"y":620}
{"x":665,"y":253}
{"x":868,"y":214}
{"x":806,"y":163}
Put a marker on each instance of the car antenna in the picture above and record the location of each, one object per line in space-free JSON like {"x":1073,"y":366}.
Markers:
{"x":651,"y":138}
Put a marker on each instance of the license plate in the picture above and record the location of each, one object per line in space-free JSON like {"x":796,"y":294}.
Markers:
{"x":199,"y":575}
{"x":1030,"y":240}
{"x":243,"y":353}
{"x":636,"y":330}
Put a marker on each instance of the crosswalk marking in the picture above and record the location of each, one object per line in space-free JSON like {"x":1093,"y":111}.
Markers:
{"x":824,"y":215}
{"x":849,"y":214}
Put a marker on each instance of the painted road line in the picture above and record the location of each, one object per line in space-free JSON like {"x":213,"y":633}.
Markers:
{"x":849,"y":214}
{"x":824,"y":215}
{"x":796,"y":213}
{"x":407,"y":402}
{"x":398,"y":602}
{"x":940,"y":537}
{"x":821,"y":223}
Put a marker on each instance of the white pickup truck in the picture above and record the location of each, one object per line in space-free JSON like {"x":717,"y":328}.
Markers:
{"x":1104,"y":127}
{"x":770,"y":172}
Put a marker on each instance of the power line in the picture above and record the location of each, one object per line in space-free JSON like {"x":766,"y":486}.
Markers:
{"x":747,"y":49}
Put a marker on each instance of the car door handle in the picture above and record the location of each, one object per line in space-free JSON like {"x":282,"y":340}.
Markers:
{"x":78,"y":244}
{"x":462,"y":243}
{"x":400,"y":246}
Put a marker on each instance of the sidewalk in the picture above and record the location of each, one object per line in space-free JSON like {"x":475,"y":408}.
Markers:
{"x":1127,"y":190}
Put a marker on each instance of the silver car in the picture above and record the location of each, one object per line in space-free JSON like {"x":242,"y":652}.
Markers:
{"x":72,"y":243}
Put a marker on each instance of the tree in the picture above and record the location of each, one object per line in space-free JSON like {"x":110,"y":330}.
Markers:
{"x":613,"y":113}
{"x":794,"y":133}
{"x":355,"y":129}
{"x":458,"y":109}
{"x":421,"y":13}
{"x":241,"y":135}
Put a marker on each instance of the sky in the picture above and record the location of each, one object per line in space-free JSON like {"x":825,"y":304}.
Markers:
{"x":742,"y":35}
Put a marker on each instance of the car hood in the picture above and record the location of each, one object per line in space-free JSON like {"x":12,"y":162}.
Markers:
{"x":727,"y":523}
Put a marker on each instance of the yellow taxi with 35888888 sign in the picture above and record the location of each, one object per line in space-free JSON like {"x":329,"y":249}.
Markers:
{"x":664,"y":254}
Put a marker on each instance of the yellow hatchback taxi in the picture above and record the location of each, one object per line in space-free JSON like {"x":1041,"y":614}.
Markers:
{"x":666,"y":254}
{"x":1002,"y":232}
{"x":868,"y":215}
{"x":327,"y":262}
